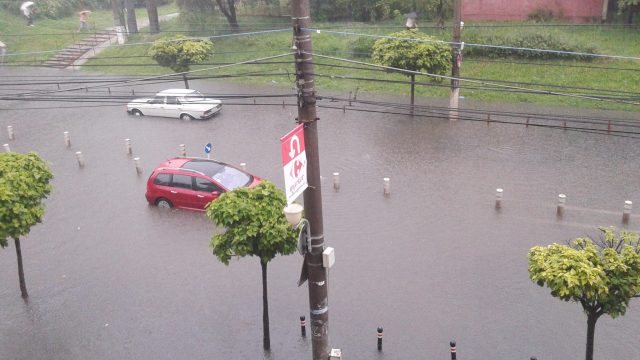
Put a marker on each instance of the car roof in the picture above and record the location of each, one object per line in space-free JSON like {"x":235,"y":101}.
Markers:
{"x":177,"y":92}
{"x":204,"y":166}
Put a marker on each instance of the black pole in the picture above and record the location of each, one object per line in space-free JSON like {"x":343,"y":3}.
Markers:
{"x":380,"y":338}
{"x":316,"y":273}
{"x":452,"y":345}
{"x":303,"y":326}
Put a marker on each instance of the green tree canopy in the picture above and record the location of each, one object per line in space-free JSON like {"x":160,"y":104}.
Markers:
{"x":254,"y":226}
{"x":414,"y":51}
{"x":179,"y":52}
{"x":602,"y":276}
{"x":24,"y":183}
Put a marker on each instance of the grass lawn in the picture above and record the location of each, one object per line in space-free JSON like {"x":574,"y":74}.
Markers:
{"x":606,"y":77}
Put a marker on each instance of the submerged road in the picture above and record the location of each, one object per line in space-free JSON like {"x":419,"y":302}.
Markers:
{"x":112,"y":278}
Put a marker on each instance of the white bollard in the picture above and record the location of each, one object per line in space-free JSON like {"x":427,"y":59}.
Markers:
{"x":12,"y":136}
{"x":127,"y":146}
{"x":562,"y":198}
{"x":386,"y":185}
{"x":183,"y":150}
{"x":336,"y":180}
{"x":499,"y":193}
{"x":80,"y":158}
{"x":6,"y":147}
{"x":243,"y":166}
{"x":136,"y":161}
{"x":67,"y":139}
{"x":626,"y":212}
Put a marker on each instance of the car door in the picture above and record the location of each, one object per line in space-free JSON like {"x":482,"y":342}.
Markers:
{"x":172,"y":107}
{"x":206,"y":191}
{"x":155,"y":107}
{"x":181,"y":192}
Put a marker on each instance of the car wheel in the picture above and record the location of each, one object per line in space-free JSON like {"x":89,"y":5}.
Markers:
{"x":186,"y":117}
{"x":136,"y":112}
{"x":164,"y":203}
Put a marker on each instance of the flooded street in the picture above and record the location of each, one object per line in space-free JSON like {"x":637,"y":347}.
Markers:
{"x":110,"y":277}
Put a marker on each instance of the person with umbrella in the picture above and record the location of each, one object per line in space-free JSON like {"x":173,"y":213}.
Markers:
{"x":27,"y":10}
{"x":84,"y":16}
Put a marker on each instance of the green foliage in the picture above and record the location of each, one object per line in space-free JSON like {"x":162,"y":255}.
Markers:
{"x":541,"y":15}
{"x":538,"y":39}
{"x":601,"y":278}
{"x":178,"y":54}
{"x":55,"y":9}
{"x":24,"y":183}
{"x":421,"y":53}
{"x":362,"y":46}
{"x":254,"y":224}
{"x":376,"y":10}
{"x":623,"y":4}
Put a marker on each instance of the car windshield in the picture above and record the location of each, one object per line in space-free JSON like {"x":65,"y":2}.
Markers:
{"x":227,"y":176}
{"x":194,"y":97}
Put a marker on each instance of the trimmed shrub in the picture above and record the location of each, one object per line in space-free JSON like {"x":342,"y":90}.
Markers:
{"x":526,"y":39}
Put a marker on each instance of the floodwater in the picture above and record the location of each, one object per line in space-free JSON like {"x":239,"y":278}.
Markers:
{"x":112,"y":278}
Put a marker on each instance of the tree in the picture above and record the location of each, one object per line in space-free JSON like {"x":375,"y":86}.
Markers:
{"x":602,"y":275}
{"x":179,"y":53}
{"x":254,"y":226}
{"x":24,"y":183}
{"x":631,"y":7}
{"x":132,"y":23}
{"x":226,"y":7}
{"x":413,"y":51}
{"x":152,"y":13}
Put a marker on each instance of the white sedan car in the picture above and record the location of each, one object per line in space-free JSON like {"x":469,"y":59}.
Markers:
{"x":185,"y":104}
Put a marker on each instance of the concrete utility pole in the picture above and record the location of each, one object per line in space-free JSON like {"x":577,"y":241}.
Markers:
{"x":456,"y":58}
{"x":316,"y":273}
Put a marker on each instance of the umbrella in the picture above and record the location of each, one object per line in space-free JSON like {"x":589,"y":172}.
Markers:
{"x":84,"y":12}
{"x":411,"y":15}
{"x":25,"y":5}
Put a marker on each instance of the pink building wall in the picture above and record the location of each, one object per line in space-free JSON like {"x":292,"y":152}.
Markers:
{"x":576,"y":10}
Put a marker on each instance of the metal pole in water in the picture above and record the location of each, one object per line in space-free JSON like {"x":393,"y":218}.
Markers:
{"x":499,"y":193}
{"x":127,"y":146}
{"x":67,"y":139}
{"x":80,"y":158}
{"x":626,"y":212}
{"x":243,"y":166}
{"x":380,"y":334}
{"x":136,"y":161}
{"x":336,"y":180}
{"x":12,"y":136}
{"x":386,"y":186}
{"x":561,"y":200}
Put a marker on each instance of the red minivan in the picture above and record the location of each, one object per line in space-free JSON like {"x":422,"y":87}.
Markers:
{"x":192,"y":183}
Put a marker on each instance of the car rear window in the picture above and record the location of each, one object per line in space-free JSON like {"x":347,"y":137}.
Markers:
{"x":226,"y":176}
{"x":162,"y":179}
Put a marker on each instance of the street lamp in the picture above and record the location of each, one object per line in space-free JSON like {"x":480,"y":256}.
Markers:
{"x":293,"y":213}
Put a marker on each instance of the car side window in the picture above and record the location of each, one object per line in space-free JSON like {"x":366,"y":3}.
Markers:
{"x":162,"y":179}
{"x":181,"y":181}
{"x":158,"y":100}
{"x":205,"y":185}
{"x":172,"y":100}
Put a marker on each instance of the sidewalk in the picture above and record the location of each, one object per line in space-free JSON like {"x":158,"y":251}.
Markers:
{"x":114,"y":40}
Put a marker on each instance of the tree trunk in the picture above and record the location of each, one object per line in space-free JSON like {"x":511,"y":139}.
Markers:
{"x":229,"y":11}
{"x":591,"y":329}
{"x":413,"y":88}
{"x":186,"y":82}
{"x":265,"y":309}
{"x":132,"y":24}
{"x":23,"y":285}
{"x":152,"y":12}
{"x":116,"y":10}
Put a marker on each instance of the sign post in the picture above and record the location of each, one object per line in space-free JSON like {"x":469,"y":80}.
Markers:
{"x":207,"y":150}
{"x":294,"y":163}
